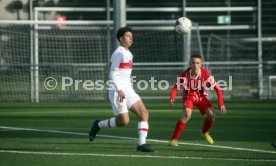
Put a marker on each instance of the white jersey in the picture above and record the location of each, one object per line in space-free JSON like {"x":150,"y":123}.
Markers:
{"x":121,"y":68}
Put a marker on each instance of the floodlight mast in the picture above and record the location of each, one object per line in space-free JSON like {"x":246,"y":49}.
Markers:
{"x":119,"y":18}
{"x":260,"y":51}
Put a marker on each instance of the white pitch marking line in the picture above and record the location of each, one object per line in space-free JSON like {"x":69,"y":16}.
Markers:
{"x":133,"y":156}
{"x":152,"y":140}
{"x":219,"y":146}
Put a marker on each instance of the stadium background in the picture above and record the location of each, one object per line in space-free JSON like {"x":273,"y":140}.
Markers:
{"x":83,"y":54}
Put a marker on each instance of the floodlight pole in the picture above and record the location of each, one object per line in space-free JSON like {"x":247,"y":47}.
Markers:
{"x":35,"y":61}
{"x":108,"y":27}
{"x":32,"y":84}
{"x":108,"y":45}
{"x":186,"y":38}
{"x":119,"y":11}
{"x":228,"y":33}
{"x":260,"y":50}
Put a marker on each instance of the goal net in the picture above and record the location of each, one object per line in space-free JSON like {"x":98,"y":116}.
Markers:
{"x":240,"y":59}
{"x":78,"y":52}
{"x":39,"y":58}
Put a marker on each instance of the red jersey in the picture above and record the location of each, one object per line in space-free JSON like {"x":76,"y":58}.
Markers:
{"x":194,"y":88}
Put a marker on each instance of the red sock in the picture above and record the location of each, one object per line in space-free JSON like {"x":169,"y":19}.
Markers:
{"x":207,"y":125}
{"x":178,"y":129}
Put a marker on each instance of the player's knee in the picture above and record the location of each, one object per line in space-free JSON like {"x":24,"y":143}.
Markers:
{"x":140,"y":110}
{"x":185,"y":118}
{"x":122,"y":121}
{"x":187,"y":115}
{"x":144,"y":115}
{"x":211,"y":116}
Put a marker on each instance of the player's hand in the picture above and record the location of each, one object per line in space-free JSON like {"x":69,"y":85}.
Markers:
{"x":121,"y":95}
{"x":223,"y":110}
{"x":172,"y":102}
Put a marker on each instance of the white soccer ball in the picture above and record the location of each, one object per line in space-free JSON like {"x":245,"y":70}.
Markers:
{"x":183,"y":25}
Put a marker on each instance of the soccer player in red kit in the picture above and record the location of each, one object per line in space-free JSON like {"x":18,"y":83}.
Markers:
{"x":195,"y":80}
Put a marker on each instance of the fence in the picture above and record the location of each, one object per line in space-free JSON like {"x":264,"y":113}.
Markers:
{"x":78,"y":53}
{"x":32,"y":52}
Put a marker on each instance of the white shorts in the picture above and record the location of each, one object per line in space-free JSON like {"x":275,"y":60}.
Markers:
{"x":123,"y":107}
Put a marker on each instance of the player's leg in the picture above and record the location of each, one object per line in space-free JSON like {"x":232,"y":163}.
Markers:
{"x":209,"y":120}
{"x":141,"y":112}
{"x":118,"y":121}
{"x":121,"y":117}
{"x":206,"y":107}
{"x":137,"y":106}
{"x":181,"y":123}
{"x":208,"y":124}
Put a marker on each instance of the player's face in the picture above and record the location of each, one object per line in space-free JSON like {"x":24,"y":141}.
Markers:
{"x":195,"y":63}
{"x":126,"y":40}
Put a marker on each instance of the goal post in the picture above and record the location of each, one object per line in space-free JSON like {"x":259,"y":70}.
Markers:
{"x":271,"y":88}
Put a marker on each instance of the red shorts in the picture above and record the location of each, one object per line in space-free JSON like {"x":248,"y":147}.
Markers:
{"x":201,"y":105}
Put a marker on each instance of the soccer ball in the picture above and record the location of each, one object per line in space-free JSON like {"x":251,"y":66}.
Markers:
{"x":183,"y":25}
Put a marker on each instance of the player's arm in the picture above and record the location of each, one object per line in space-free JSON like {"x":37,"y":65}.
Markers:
{"x":173,"y":94}
{"x":221,"y":105}
{"x":176,"y":88}
{"x":212,"y":83}
{"x":114,"y":74}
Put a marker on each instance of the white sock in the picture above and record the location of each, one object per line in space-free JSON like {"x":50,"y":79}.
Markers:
{"x":111,"y":122}
{"x":143,"y":128}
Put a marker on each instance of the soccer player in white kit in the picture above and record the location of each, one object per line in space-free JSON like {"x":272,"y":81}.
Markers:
{"x":121,"y":94}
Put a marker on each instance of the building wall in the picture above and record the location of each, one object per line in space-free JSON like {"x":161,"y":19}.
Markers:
{"x":14,"y":10}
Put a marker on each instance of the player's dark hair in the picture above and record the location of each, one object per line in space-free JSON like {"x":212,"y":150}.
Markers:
{"x":196,"y":56}
{"x":121,"y":32}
